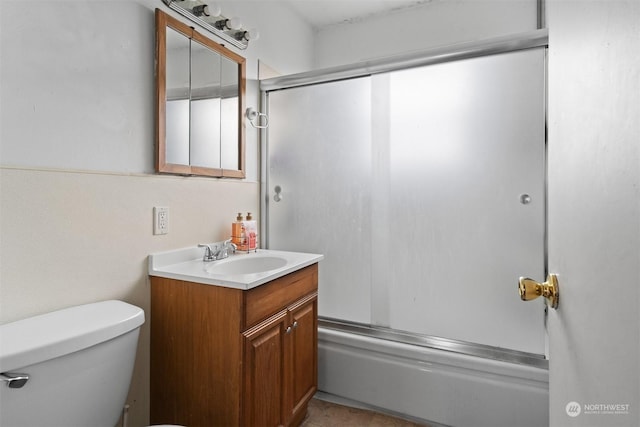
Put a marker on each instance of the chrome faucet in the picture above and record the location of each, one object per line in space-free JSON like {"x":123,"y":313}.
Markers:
{"x":217,"y":253}
{"x":209,"y":255}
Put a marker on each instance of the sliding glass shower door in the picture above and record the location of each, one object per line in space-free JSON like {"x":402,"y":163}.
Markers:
{"x":320,"y":156}
{"x":424,"y":189}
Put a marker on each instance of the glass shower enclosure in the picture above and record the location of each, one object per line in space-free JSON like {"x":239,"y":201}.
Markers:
{"x":424,"y":188}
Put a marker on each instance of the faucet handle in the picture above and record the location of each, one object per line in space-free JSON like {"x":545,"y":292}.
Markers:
{"x":224,"y":251}
{"x":208,"y":253}
{"x":229,"y":244}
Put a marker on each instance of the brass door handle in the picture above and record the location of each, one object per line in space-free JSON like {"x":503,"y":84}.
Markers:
{"x":530,"y":289}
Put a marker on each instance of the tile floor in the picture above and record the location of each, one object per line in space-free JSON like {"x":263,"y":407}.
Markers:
{"x":326,"y":414}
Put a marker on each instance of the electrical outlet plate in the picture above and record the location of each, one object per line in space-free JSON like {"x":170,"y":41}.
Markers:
{"x":160,"y":220}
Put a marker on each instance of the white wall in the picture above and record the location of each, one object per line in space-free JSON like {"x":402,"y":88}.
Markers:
{"x":431,"y":24}
{"x":78,"y":82}
{"x":77,"y":187}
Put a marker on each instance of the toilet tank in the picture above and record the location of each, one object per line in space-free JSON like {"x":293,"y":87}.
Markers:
{"x":79,"y":361}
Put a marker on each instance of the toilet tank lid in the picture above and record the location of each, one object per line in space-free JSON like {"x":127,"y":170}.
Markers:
{"x":40,"y":338}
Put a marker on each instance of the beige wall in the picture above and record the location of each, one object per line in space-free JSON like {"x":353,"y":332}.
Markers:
{"x":71,"y":238}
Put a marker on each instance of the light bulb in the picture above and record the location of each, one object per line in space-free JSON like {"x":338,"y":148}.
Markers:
{"x":228,"y":24}
{"x":247,"y":35}
{"x":201,"y":10}
{"x":234,"y":23}
{"x":252,"y":34}
{"x":214,"y":9}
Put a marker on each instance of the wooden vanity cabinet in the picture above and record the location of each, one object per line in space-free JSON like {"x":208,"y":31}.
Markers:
{"x":228,"y":357}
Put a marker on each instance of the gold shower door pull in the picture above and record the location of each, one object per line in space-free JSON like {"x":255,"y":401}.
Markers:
{"x":530,"y":289}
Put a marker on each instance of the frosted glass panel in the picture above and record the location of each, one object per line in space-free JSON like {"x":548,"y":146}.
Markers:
{"x":320,"y":156}
{"x":410,"y":184}
{"x":466,"y":141}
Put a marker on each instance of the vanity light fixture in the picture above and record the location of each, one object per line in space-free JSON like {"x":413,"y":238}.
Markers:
{"x":209,"y":16}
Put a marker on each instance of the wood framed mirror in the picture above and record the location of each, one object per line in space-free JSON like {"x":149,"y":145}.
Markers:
{"x":200,"y":91}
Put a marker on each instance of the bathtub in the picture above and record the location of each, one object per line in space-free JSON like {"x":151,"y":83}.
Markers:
{"x":433,"y":380}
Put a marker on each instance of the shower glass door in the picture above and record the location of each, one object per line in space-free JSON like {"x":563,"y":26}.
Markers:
{"x":424,"y":189}
{"x":320,"y":156}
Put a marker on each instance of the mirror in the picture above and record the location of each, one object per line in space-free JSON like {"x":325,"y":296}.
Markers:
{"x":200,"y":89}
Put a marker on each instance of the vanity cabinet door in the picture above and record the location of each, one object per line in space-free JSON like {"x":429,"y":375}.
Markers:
{"x":280,"y":366}
{"x":301,"y":379}
{"x":264,"y":364}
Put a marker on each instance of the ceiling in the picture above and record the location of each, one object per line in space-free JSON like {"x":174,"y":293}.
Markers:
{"x":322,"y":13}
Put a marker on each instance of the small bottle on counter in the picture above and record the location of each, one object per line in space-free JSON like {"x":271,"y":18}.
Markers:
{"x":251,"y":232}
{"x":238,"y":235}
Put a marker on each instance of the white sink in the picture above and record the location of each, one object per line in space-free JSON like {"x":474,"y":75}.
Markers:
{"x":240,"y":270}
{"x":246,"y":265}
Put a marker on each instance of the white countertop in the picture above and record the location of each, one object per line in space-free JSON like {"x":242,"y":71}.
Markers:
{"x":186,"y":264}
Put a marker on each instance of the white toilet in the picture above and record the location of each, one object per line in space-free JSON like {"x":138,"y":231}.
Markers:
{"x":78,"y":362}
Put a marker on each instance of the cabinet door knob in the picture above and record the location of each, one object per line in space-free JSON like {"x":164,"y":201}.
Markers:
{"x":295,"y":324}
{"x":288,"y":330}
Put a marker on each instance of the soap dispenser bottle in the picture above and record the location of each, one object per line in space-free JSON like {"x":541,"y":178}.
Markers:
{"x":251,"y":233}
{"x":237,"y":231}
